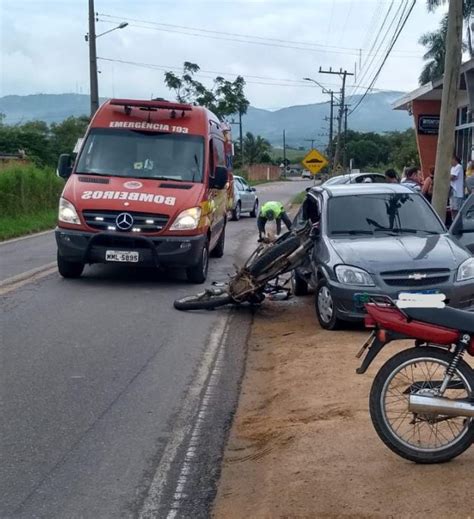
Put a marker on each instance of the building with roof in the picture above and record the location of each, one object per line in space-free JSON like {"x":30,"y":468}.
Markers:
{"x":424,"y":104}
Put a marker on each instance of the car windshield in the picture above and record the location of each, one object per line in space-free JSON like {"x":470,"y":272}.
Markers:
{"x":381,"y":214}
{"x":341,"y":179}
{"x":142,"y":154}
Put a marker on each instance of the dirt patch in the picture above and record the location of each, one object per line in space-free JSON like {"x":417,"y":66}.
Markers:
{"x":302,"y":444}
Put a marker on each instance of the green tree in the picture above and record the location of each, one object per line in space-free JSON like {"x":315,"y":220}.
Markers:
{"x":64,"y":135}
{"x":224,"y":98}
{"x":256,"y":149}
{"x":435,"y":42}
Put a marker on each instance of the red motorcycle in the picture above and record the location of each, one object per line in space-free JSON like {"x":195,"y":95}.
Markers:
{"x":422,"y":399}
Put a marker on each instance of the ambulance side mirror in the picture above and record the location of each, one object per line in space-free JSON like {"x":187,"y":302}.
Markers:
{"x":221,"y":177}
{"x":64,"y":166}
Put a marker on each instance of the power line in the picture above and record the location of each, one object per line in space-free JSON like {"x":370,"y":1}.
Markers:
{"x":394,"y":40}
{"x":365,"y":69}
{"x":203,"y":74}
{"x":241,"y":38}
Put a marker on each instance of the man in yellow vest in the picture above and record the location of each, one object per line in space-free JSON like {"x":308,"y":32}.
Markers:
{"x":272,"y":211}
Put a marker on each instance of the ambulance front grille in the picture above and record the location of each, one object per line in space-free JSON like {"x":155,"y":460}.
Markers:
{"x":142,"y":222}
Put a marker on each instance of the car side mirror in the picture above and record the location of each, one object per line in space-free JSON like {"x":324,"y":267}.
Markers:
{"x":252,"y":189}
{"x":220,"y":179}
{"x":64,"y":166}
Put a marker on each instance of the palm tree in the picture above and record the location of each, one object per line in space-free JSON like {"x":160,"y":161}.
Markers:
{"x":436,"y":42}
{"x":255,"y":148}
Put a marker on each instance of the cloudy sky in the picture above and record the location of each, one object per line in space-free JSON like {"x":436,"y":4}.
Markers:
{"x":272,"y":43}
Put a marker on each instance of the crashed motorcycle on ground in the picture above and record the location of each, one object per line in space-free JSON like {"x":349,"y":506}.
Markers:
{"x":251,"y":282}
{"x":422,"y":399}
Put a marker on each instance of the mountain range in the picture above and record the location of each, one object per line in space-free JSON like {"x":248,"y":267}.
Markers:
{"x":300,"y":122}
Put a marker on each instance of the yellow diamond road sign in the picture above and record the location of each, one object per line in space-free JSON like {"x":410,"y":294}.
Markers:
{"x":315,"y":161}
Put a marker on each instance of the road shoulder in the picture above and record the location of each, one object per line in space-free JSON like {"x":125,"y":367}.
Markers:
{"x":302,"y":444}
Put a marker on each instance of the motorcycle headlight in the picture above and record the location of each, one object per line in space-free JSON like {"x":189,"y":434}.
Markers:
{"x":67,"y":212}
{"x":353,"y":276}
{"x":187,"y":220}
{"x":466,"y":270}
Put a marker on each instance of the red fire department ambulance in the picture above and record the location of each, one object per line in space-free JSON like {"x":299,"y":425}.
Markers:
{"x":151,"y":185}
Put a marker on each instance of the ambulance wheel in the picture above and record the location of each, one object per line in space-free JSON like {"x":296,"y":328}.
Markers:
{"x":69,"y":269}
{"x":218,"y":250}
{"x":198,"y":273}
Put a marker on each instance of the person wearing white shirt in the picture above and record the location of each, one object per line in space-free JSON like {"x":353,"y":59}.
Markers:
{"x":457,"y":185}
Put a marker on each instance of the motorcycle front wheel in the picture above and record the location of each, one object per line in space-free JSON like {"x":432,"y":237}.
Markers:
{"x":207,"y":300}
{"x":421,"y":438}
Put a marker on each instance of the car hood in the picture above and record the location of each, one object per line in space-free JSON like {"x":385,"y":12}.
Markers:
{"x":378,"y":254}
{"x":143,"y":195}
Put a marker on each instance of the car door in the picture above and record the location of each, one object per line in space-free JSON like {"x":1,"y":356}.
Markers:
{"x":247,"y":196}
{"x":463,"y":226}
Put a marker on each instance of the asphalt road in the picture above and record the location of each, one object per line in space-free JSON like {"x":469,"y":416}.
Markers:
{"x":113,"y":404}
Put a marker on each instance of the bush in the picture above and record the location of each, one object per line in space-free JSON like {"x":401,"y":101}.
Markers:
{"x":28,"y":189}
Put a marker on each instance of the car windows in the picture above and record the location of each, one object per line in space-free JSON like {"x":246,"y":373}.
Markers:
{"x":238,"y":182}
{"x":245,"y":186}
{"x":468,"y":219}
{"x":378,"y":179}
{"x":381,"y":213}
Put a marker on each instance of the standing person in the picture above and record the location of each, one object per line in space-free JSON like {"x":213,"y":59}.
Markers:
{"x":470,"y":177}
{"x":428,"y":184}
{"x":272,"y":211}
{"x":413,"y":179}
{"x":457,"y":186}
{"x":391,"y":176}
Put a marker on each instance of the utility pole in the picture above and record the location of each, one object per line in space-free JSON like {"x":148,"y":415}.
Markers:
{"x":94,"y":89}
{"x":343,"y":74}
{"x":449,"y":103}
{"x":241,"y":138}
{"x":344,"y":157}
{"x":331,"y":128}
{"x":284,"y":151}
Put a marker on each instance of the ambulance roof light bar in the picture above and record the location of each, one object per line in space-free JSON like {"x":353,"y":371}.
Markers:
{"x":151,"y":105}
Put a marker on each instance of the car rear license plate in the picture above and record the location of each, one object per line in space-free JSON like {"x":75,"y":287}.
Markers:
{"x":123,"y":256}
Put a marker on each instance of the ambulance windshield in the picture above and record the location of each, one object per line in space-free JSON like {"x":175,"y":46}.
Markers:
{"x":143,"y":154}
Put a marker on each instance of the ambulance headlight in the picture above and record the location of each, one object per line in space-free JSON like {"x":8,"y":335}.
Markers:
{"x":67,"y":212}
{"x":187,"y":220}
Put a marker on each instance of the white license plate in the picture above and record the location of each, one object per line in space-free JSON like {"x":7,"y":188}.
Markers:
{"x":121,"y":256}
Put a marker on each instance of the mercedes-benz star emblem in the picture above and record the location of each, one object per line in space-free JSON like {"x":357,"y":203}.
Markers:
{"x":124,"y":221}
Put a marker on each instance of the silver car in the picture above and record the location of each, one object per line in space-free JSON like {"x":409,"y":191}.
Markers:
{"x":245,"y":199}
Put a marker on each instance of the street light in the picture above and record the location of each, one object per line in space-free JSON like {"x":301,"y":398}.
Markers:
{"x":121,"y":26}
{"x":91,"y":38}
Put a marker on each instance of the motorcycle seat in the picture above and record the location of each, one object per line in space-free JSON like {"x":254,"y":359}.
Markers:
{"x":447,"y":317}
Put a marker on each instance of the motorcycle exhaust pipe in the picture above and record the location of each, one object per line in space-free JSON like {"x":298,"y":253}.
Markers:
{"x":437,"y":405}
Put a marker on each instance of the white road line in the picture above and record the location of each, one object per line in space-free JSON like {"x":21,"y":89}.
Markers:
{"x":184,"y":423}
{"x":35,"y":235}
{"x":10,"y":284}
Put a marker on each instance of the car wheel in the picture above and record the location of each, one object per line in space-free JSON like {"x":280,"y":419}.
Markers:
{"x":69,"y":269}
{"x":198,"y":273}
{"x":325,"y":307}
{"x":298,"y":284}
{"x":236,"y":212}
{"x":254,"y":211}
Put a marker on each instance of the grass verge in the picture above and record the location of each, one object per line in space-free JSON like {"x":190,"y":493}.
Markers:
{"x":14,"y":226}
{"x":299,"y":198}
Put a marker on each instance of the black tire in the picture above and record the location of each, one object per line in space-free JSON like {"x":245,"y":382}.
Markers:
{"x":275,"y":252}
{"x":298,"y":284}
{"x":218,"y":250}
{"x":326,"y":315}
{"x":198,"y":273}
{"x":69,"y":269}
{"x":377,"y":412}
{"x":236,"y":212}
{"x":200,"y":302}
{"x":254,"y":212}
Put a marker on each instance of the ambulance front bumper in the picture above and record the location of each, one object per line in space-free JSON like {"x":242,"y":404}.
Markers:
{"x":85,"y":247}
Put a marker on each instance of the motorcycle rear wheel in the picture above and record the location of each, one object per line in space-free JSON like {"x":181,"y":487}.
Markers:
{"x":421,"y":439}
